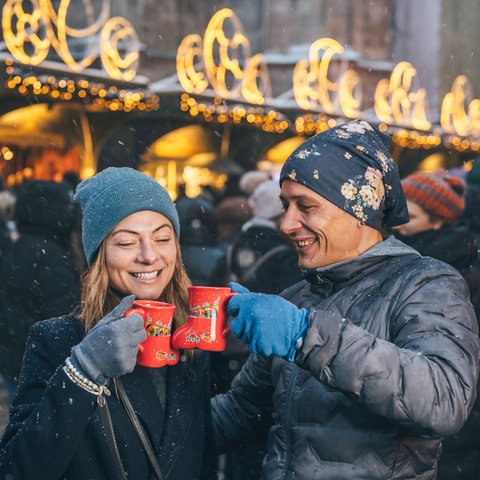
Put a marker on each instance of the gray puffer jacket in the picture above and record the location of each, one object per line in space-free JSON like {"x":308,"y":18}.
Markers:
{"x":388,"y":366}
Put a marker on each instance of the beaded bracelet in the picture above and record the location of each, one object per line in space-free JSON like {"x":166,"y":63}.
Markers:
{"x":84,"y":382}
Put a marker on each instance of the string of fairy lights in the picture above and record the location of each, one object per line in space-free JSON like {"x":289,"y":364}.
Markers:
{"x":102,"y":97}
{"x":270,"y":120}
{"x":97,"y":94}
{"x":219,"y":90}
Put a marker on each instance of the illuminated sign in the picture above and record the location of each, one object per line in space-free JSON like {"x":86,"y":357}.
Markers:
{"x":221,"y":60}
{"x":325,"y":83}
{"x":396,"y":101}
{"x":313,"y":88}
{"x":219,"y":66}
{"x":460,"y":114}
{"x":31,"y":34}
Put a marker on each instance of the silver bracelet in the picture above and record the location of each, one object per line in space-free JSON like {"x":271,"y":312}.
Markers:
{"x":78,"y":378}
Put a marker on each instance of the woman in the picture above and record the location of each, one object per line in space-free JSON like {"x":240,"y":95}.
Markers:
{"x":68,"y":393}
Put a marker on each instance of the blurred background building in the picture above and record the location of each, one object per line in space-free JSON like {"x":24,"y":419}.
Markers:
{"x":196,"y":92}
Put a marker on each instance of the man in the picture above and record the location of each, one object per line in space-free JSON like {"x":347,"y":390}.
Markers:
{"x":365,"y":365}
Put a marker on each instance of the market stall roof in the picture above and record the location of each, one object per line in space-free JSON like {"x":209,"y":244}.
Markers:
{"x":43,"y":125}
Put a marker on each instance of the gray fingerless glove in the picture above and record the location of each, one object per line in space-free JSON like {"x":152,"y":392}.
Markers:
{"x":110,"y":348}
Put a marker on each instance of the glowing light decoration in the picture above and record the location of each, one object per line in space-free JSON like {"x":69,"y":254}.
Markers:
{"x":220,"y":68}
{"x":30,"y":35}
{"x":460,"y":114}
{"x":118,"y":31}
{"x":396,"y":102}
{"x":313,"y":87}
{"x":221,"y":60}
{"x":268,"y":120}
{"x":30,"y":31}
{"x":95,"y":95}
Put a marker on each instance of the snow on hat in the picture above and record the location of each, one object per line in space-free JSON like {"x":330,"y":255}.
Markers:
{"x":350,"y":166}
{"x":265,"y":200}
{"x":438,"y":193}
{"x":112,"y":195}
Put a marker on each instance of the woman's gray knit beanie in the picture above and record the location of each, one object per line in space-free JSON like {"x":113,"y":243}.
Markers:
{"x":112,"y":195}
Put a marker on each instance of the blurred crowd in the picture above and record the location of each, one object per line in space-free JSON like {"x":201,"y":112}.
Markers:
{"x":233,"y":237}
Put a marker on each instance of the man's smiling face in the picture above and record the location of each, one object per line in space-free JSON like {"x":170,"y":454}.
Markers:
{"x":321,"y":232}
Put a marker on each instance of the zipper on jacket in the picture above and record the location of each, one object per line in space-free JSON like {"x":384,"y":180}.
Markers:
{"x":104,"y":412}
{"x":286,"y":418}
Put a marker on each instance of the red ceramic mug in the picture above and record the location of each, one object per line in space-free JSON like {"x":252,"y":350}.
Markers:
{"x":206,"y":325}
{"x":156,"y":350}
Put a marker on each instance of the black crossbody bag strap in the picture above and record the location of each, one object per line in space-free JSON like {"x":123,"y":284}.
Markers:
{"x":106,"y":420}
{"x":142,"y":435}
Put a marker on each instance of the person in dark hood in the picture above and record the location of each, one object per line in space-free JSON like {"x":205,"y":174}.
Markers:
{"x":259,"y":257}
{"x":262,"y":260}
{"x":436,"y":201}
{"x":361,"y":369}
{"x":40,"y":277}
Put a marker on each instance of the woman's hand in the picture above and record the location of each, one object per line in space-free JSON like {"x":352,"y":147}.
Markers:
{"x":110,"y":348}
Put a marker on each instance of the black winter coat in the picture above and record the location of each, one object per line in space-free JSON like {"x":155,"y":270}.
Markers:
{"x":40,"y":278}
{"x":388,"y":366}
{"x":204,"y":264}
{"x":55,"y":432}
{"x":455,"y":245}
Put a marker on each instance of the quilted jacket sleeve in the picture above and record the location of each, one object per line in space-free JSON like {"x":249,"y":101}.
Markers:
{"x":423,"y":378}
{"x":240,"y":418}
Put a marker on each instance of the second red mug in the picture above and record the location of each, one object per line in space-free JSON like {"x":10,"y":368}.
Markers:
{"x":206,"y":326}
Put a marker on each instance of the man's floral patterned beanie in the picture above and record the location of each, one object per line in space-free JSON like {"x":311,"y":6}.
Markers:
{"x":350,"y":165}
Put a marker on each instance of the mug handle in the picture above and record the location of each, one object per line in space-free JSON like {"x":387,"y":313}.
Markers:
{"x":228,"y":296}
{"x":142,"y":314}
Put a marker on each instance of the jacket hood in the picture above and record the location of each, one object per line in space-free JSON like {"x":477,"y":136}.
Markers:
{"x":198,"y":222}
{"x":325,"y":278}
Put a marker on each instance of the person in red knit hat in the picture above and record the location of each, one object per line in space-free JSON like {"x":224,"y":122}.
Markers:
{"x":434,"y":199}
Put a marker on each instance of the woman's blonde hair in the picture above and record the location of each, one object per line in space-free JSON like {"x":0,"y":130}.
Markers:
{"x":99,"y":298}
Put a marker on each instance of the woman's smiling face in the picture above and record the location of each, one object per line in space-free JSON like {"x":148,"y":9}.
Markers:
{"x":420,"y":221}
{"x":140,"y":254}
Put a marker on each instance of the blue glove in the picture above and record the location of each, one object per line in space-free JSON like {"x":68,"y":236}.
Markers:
{"x":110,"y":348}
{"x":269,"y":324}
